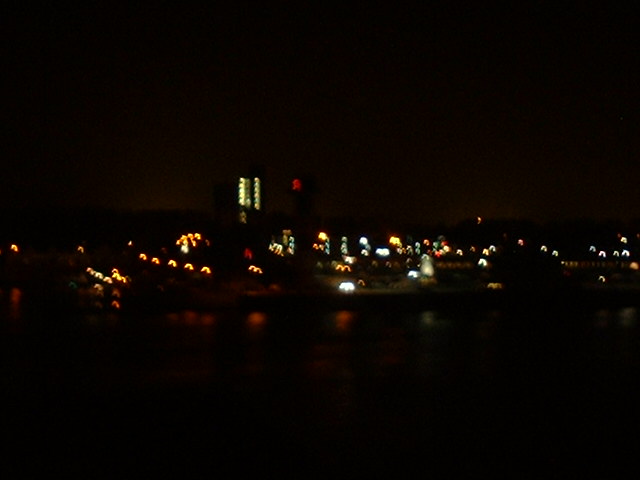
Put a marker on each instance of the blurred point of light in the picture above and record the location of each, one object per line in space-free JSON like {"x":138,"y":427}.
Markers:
{"x":344,"y":320}
{"x":256,"y":321}
{"x":426,"y":266}
{"x":395,"y":241}
{"x":346,"y":287}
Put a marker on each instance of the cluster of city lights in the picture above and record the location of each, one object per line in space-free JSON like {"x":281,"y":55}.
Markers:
{"x":284,"y":245}
{"x":190,"y":240}
{"x":116,"y":278}
{"x":420,"y":256}
{"x":174,"y":264}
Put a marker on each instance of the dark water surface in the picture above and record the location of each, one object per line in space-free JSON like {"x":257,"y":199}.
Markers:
{"x":537,"y":393}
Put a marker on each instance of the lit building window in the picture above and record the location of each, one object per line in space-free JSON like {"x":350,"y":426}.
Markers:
{"x":244,"y":192}
{"x":257,"y":194}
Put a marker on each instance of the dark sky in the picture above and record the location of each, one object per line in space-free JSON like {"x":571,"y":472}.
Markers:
{"x":418,"y":112}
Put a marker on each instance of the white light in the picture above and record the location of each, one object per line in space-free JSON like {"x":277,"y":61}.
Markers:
{"x":382,"y":252}
{"x":413,"y":274}
{"x":346,"y":287}
{"x":426,"y":266}
{"x":625,"y":253}
{"x":482,"y":263}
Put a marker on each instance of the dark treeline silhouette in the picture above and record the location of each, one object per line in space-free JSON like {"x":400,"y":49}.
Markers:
{"x":45,"y":228}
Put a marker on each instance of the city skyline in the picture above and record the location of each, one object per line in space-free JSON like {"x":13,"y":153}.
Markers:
{"x":415,"y":113}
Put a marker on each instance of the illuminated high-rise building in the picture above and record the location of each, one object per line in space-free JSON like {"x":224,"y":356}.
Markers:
{"x":250,"y":195}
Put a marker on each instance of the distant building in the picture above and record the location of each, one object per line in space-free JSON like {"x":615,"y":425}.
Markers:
{"x":224,"y":204}
{"x":303,"y":190}
{"x":250,"y":196}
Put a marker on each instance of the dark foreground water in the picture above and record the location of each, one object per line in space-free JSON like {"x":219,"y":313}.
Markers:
{"x":536,"y":393}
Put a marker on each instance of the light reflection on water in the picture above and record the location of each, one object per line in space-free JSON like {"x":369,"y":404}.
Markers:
{"x":333,"y":383}
{"x":342,"y":346}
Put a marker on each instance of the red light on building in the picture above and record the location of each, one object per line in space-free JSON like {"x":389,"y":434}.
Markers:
{"x":296,"y":185}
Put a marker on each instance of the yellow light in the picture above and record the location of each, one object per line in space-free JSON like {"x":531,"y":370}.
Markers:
{"x":172,"y":263}
{"x":188,"y":266}
{"x":323,"y":236}
{"x":155,"y":260}
{"x":14,"y":248}
{"x":206,"y":270}
{"x":80,"y":249}
{"x":142,"y":256}
{"x":395,"y":241}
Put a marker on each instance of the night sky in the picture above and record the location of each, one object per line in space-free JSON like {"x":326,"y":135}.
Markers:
{"x":417,"y":112}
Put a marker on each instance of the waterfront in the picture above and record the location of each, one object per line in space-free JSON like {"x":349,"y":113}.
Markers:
{"x":305,"y":391}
